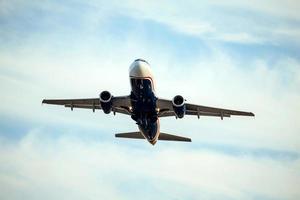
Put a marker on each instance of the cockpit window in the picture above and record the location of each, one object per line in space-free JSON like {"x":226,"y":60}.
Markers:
{"x":142,"y":60}
{"x":141,"y":85}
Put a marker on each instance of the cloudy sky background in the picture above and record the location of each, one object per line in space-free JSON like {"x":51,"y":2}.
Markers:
{"x":237,"y":55}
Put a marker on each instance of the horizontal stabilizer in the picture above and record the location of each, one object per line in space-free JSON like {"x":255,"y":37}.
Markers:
{"x":165,"y":136}
{"x":133,"y":135}
{"x":162,"y":136}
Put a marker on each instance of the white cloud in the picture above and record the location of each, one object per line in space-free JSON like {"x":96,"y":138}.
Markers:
{"x":219,"y":80}
{"x":240,"y":38}
{"x":39,"y":166}
{"x":61,"y":65}
{"x":208,"y":21}
{"x":277,"y":8}
{"x":231,"y":21}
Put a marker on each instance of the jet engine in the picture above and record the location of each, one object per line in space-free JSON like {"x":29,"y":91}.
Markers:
{"x":179,"y":106}
{"x":106,"y":101}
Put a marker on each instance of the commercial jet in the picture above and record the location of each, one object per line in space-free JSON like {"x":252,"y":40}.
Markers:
{"x":144,"y":107}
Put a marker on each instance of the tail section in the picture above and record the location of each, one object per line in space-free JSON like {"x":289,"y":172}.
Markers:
{"x":162,"y":136}
{"x":169,"y":137}
{"x":131,"y":135}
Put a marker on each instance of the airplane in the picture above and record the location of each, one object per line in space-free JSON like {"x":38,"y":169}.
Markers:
{"x":144,"y":107}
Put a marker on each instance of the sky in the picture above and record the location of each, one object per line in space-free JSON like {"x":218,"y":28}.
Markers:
{"x":241,"y":55}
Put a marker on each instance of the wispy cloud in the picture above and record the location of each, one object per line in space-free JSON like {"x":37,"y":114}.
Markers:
{"x":233,"y":21}
{"x":77,"y":168}
{"x":234,"y":55}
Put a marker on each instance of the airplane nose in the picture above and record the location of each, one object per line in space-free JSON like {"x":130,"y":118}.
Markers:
{"x":140,"y":68}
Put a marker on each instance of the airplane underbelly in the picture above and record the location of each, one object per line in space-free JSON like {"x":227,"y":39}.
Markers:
{"x":143,"y":101}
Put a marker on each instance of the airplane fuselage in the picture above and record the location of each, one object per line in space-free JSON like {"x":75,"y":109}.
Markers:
{"x":143,"y":100}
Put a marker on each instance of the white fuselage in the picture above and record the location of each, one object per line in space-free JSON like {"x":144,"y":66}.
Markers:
{"x":139,"y":72}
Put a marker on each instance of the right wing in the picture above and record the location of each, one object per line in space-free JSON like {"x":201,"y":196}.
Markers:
{"x":166,"y":109}
{"x":120,"y":104}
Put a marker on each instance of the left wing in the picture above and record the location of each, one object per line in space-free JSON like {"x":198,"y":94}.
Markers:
{"x":120,"y":104}
{"x":166,"y":109}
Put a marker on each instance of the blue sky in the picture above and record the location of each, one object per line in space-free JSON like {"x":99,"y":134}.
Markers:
{"x":233,"y":54}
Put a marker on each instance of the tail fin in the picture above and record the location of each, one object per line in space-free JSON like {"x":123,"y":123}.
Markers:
{"x":162,"y":136}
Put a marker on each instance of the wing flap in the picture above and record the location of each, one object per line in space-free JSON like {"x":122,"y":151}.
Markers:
{"x":82,"y":106}
{"x":190,"y":112}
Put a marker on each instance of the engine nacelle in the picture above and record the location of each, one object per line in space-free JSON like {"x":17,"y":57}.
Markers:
{"x":179,"y":106}
{"x":106,"y":101}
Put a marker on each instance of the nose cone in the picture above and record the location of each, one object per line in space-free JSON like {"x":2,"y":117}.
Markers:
{"x":140,"y":69}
